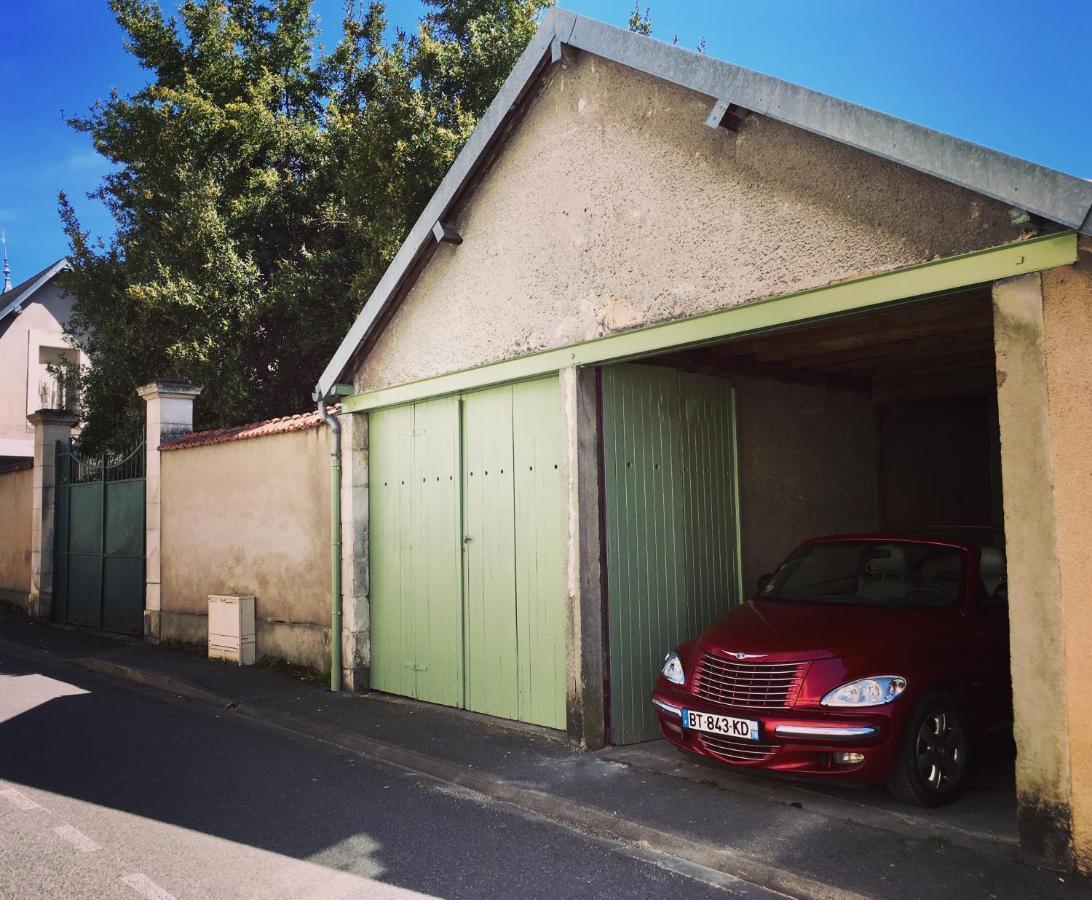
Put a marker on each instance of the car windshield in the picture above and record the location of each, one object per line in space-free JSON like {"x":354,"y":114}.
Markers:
{"x":876,"y":573}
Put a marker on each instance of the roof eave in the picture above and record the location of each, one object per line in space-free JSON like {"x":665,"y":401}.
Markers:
{"x":39,"y":282}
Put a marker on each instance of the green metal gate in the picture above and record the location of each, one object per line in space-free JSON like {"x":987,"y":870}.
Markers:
{"x":467,"y":581}
{"x":98,"y":573}
{"x":670,"y":485}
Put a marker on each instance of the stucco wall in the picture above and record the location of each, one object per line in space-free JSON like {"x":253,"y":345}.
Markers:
{"x":250,"y":517}
{"x":613,"y":205}
{"x":807,"y":466}
{"x":1067,"y":311}
{"x":15,"y":528}
{"x":40,"y":322}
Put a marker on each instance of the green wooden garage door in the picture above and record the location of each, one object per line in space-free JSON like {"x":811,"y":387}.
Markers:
{"x":467,"y":598}
{"x":669,"y":464}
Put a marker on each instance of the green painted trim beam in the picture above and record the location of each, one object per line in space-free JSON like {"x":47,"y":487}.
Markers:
{"x":979,"y":267}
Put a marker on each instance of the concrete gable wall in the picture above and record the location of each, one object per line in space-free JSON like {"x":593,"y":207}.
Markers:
{"x":612,"y":205}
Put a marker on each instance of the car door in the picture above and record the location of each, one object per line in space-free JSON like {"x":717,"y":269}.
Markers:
{"x":990,"y":689}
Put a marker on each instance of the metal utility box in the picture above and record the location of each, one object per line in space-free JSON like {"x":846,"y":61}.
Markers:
{"x":231,"y":628}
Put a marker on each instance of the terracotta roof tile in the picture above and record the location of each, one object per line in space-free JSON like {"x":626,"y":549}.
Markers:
{"x":283,"y":425}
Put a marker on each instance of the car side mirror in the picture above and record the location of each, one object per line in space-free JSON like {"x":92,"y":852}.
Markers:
{"x":763,"y":580}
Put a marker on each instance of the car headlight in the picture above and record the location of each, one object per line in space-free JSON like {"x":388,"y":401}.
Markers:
{"x":672,"y":669}
{"x":874,"y":691}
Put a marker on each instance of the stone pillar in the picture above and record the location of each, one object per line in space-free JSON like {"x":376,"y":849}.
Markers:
{"x":583,"y":557}
{"x":50,"y":426}
{"x":1038,"y":633}
{"x":355,"y":605}
{"x":169,"y":413}
{"x":1067,"y":318}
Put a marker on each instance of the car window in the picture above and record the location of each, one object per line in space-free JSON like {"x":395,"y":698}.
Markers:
{"x":992,"y":570}
{"x":873,"y":573}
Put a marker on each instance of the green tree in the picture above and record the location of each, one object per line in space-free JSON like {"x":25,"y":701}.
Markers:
{"x":640,"y":22}
{"x":260,"y":189}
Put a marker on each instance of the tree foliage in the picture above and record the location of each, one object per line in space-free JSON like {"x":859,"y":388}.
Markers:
{"x":640,"y":22}
{"x":260,"y":188}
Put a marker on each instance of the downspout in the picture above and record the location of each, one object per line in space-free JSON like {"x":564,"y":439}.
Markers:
{"x":335,"y":550}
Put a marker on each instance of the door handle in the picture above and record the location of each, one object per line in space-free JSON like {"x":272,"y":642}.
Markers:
{"x":466,"y":539}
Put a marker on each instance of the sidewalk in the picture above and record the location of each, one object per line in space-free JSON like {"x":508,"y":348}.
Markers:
{"x":784,"y":838}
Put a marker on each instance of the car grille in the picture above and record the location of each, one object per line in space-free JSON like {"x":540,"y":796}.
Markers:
{"x":735,"y":750}
{"x":749,"y":684}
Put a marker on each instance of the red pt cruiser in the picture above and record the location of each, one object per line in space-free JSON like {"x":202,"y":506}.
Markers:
{"x":863,"y":658}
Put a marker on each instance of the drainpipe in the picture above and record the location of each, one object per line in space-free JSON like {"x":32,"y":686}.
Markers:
{"x":335,"y":550}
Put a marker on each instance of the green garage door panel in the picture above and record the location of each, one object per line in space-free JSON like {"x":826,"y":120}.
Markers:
{"x":672,"y":524}
{"x":416,"y":601}
{"x":489,"y":555}
{"x":540,"y":568}
{"x":467,"y":597}
{"x":514,"y":587}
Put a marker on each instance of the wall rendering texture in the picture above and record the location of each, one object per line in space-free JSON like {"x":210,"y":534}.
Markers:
{"x":1067,"y":314}
{"x":250,"y":517}
{"x":15,"y":529}
{"x":612,"y":205}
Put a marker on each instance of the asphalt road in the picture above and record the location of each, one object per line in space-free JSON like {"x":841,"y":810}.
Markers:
{"x":112,"y":791}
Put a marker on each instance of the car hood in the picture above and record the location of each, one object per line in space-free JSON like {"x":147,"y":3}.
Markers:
{"x":799,"y":631}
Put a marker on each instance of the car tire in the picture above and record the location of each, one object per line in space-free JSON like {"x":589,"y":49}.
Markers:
{"x":932,"y":764}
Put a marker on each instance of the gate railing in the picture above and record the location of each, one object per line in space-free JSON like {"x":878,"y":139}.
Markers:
{"x":75,"y":468}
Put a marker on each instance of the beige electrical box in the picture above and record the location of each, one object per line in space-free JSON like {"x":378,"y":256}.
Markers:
{"x":231,"y":628}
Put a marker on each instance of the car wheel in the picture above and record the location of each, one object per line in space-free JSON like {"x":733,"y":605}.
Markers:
{"x":932,"y":764}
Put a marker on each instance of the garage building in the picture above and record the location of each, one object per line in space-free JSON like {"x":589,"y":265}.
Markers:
{"x":665,"y":318}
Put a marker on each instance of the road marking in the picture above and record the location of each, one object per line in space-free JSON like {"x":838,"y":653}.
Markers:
{"x":76,"y":838}
{"x":18,"y":799}
{"x":144,"y":886}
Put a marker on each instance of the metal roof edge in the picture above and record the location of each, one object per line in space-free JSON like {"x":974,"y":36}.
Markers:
{"x":1056,"y":196}
{"x":39,"y":282}
{"x":420,"y":238}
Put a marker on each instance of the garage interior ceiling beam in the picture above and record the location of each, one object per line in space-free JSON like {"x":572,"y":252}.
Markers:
{"x":942,"y":276}
{"x":954,"y":311}
{"x":857,"y":347}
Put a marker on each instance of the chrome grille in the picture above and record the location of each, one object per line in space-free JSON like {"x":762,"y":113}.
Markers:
{"x":735,"y":750}
{"x":749,"y":684}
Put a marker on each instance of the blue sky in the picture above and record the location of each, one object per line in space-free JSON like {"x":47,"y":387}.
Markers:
{"x":1008,"y":75}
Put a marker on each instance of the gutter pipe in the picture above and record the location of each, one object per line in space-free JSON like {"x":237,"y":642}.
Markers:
{"x":335,"y":549}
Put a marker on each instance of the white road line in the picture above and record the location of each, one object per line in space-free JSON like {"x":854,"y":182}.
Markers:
{"x":18,"y":799}
{"x":144,"y":886}
{"x":76,"y":838}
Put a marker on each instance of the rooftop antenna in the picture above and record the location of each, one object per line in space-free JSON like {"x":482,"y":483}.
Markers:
{"x":7,"y":268}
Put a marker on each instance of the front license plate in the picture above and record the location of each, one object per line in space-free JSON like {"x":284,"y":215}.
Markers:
{"x":747,"y":729}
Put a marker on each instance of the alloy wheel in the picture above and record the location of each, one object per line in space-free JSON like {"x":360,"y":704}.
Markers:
{"x":940,"y":750}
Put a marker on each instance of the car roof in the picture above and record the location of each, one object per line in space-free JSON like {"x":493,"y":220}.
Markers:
{"x":892,"y":536}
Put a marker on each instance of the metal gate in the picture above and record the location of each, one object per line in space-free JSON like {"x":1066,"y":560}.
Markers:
{"x":98,"y":571}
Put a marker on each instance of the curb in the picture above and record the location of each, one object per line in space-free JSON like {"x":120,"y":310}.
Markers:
{"x":560,"y":810}
{"x":161,"y":682}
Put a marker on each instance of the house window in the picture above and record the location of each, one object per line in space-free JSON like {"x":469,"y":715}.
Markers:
{"x":53,"y":379}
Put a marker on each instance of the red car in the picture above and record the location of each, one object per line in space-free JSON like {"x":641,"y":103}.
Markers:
{"x":863,"y":658}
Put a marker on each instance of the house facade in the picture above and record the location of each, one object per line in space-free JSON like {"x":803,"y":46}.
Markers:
{"x":32,"y":347}
{"x":664,"y":319}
